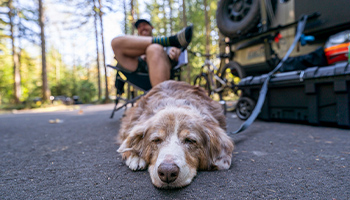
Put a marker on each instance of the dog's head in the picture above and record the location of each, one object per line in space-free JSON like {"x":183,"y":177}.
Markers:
{"x":176,"y":142}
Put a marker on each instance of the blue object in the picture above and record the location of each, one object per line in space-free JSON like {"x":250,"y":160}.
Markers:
{"x":304,"y":39}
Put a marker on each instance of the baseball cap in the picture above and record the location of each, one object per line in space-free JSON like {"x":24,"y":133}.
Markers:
{"x":140,"y":21}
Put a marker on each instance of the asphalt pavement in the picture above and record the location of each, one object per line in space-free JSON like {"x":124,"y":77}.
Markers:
{"x":71,"y":154}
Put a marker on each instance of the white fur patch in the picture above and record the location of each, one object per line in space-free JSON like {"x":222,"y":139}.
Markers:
{"x":173,"y":152}
{"x":223,"y":161}
{"x":135,"y":163}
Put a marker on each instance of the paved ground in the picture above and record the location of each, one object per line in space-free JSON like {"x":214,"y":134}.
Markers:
{"x":76,"y":159}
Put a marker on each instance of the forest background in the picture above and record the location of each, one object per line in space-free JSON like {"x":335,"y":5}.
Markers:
{"x":61,"y":47}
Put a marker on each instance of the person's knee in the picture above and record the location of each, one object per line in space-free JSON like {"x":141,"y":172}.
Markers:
{"x":116,"y":42}
{"x":157,"y":58}
{"x":155,"y":49}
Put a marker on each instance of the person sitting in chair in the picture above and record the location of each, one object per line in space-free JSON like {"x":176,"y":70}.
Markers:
{"x":145,"y":53}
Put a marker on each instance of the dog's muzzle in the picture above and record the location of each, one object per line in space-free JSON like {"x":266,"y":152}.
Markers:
{"x":168,"y":172}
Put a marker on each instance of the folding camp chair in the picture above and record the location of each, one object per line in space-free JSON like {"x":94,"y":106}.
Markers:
{"x":140,"y":81}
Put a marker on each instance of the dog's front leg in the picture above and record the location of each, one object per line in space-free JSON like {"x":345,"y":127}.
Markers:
{"x":133,"y":161}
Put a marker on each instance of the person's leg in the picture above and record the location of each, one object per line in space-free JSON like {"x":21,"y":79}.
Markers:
{"x":158,"y":64}
{"x":128,"y":48}
{"x":180,"y":40}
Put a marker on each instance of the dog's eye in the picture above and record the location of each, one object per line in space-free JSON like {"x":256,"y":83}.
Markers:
{"x":157,"y":140}
{"x":190,"y":141}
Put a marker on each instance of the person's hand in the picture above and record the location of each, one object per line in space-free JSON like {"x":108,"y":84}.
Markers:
{"x":143,"y":57}
{"x":174,"y":53}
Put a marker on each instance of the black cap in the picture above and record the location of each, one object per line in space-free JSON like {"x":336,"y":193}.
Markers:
{"x":140,"y":21}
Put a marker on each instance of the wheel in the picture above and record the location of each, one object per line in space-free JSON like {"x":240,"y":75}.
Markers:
{"x":231,"y":73}
{"x":244,"y":108}
{"x":202,"y":81}
{"x":236,"y":69}
{"x":237,"y":17}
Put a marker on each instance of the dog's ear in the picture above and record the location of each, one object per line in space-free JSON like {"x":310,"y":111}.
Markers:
{"x":133,"y":142}
{"x":220,"y":148}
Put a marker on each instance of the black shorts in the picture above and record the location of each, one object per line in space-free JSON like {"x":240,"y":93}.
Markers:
{"x":142,"y":65}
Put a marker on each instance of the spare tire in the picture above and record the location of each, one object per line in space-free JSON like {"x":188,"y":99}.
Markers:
{"x":237,"y":17}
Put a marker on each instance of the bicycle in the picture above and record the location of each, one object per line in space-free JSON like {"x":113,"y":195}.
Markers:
{"x":220,"y":81}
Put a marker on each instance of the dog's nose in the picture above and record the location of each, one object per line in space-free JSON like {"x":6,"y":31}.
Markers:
{"x":168,"y":172}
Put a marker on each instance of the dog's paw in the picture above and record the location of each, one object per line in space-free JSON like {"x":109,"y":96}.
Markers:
{"x":135,"y":163}
{"x":223,"y":162}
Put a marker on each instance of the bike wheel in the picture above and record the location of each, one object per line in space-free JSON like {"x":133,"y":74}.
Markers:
{"x":231,"y":74}
{"x":202,"y":80}
{"x":245,"y":107}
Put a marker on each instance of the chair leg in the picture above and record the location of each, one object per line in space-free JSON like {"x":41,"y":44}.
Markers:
{"x":118,"y":108}
{"x":115,"y":108}
{"x":132,"y":101}
{"x":112,"y":115}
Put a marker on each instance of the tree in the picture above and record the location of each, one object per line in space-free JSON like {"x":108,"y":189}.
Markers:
{"x":171,"y":16}
{"x":25,"y":20}
{"x":89,"y":11}
{"x":18,"y":26}
{"x":103,"y":51}
{"x":165,"y":20}
{"x":184,"y":19}
{"x":97,"y":51}
{"x":131,"y":12}
{"x":5,"y":72}
{"x":125,"y":18}
{"x":132,"y":16}
{"x":45,"y":86}
{"x":207,"y":27}
{"x":15,"y":59}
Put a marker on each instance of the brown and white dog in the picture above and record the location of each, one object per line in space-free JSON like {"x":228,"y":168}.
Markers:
{"x":175,"y":130}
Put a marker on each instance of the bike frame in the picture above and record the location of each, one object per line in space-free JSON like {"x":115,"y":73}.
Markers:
{"x":212,"y":75}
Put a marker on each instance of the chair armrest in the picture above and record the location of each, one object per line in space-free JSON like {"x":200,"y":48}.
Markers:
{"x":119,"y":68}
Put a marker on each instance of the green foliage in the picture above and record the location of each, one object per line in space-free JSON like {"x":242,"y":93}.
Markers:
{"x":6,"y":73}
{"x":74,"y":83}
{"x":63,"y":80}
{"x":87,"y":91}
{"x":30,"y":76}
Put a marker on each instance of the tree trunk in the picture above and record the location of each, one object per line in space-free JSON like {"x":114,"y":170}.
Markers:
{"x":132,"y":16}
{"x":103,"y":52}
{"x":97,"y":54}
{"x":19,"y":54}
{"x":137,"y":11}
{"x":15,"y":58}
{"x":165,"y":20}
{"x":207,"y":27}
{"x":132,"y":20}
{"x":45,"y":86}
{"x":125,"y":19}
{"x":184,"y":19}
{"x":171,"y":16}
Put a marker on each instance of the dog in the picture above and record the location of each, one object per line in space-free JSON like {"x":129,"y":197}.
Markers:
{"x":175,"y":130}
